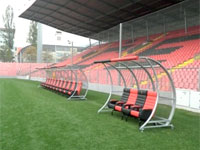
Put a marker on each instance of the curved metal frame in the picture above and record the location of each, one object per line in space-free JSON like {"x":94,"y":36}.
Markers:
{"x":124,"y":81}
{"x":86,"y":91}
{"x":72,"y":70}
{"x":157,"y":90}
{"x":72,"y":95}
{"x":111,"y":89}
{"x":160,"y":122}
{"x":133,"y":74}
{"x":168,"y":120}
{"x":87,"y":88}
{"x":147,"y":72}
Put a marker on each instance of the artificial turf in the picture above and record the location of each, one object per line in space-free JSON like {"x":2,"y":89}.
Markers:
{"x":32,"y":118}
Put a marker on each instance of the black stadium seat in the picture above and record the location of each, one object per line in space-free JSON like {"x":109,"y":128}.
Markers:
{"x":143,"y":107}
{"x":124,"y":98}
{"x":135,"y":103}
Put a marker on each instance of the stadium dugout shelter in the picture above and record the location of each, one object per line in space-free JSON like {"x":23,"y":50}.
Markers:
{"x":70,"y":80}
{"x":98,"y":19}
{"x":127,"y":71}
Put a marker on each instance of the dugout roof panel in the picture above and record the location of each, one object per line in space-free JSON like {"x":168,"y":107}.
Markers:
{"x":89,"y":17}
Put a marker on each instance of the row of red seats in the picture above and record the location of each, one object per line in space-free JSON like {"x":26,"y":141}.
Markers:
{"x":63,"y":86}
{"x":135,"y":103}
{"x":188,"y":49}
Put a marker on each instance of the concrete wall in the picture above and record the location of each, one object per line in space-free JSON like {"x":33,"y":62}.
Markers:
{"x":188,"y":99}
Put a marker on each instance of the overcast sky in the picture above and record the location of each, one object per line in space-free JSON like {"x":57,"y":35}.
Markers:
{"x":22,"y":26}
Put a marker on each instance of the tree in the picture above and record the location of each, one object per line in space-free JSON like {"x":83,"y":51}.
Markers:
{"x":29,"y":54}
{"x":32,"y":35}
{"x":2,"y":54}
{"x":7,"y":35}
{"x":47,"y":57}
{"x":63,"y":58}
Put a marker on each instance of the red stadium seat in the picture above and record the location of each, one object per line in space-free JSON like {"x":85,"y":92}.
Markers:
{"x":143,"y":110}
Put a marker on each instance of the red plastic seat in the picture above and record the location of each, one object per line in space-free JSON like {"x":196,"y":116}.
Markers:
{"x":144,"y":112}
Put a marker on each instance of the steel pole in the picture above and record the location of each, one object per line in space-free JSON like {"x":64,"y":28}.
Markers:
{"x":185,"y":21}
{"x":199,"y":80}
{"x":120,"y":39}
{"x":39,"y":42}
{"x":164,"y":25}
{"x":132,"y":35}
{"x":72,"y":53}
{"x":147,"y":28}
{"x":90,"y":42}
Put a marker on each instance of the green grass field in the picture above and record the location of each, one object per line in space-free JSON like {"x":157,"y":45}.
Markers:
{"x":32,"y":118}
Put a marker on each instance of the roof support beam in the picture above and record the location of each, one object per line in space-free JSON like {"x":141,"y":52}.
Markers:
{"x":111,"y":13}
{"x":97,"y":11}
{"x":59,"y":19}
{"x":172,"y":1}
{"x":75,"y":11}
{"x":194,"y":11}
{"x":116,"y":8}
{"x":53,"y":11}
{"x":153,"y":9}
{"x":89,"y":24}
{"x":87,"y":18}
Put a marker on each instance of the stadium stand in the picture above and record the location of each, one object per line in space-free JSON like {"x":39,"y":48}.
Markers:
{"x":175,"y":51}
{"x":146,"y":49}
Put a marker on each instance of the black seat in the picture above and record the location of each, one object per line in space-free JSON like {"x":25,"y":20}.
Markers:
{"x":124,"y":98}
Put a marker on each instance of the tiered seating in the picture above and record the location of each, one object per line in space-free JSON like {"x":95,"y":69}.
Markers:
{"x":171,"y":50}
{"x":187,"y":77}
{"x":94,"y":53}
{"x":136,"y":103}
{"x":63,"y":86}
